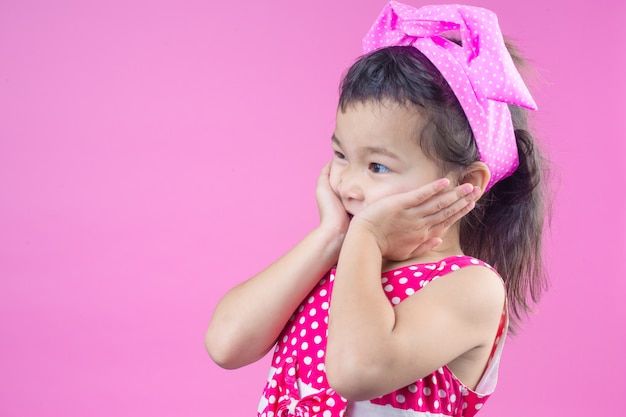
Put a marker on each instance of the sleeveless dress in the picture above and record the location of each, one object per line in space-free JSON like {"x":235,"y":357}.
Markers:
{"x":297,"y":384}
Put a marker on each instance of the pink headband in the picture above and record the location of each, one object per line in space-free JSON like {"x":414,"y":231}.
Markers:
{"x":480,"y":72}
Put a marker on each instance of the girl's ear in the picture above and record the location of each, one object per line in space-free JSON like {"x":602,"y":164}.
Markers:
{"x":478,"y":175}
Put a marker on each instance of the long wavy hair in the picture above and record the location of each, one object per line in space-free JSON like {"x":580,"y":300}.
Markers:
{"x":505,"y":229}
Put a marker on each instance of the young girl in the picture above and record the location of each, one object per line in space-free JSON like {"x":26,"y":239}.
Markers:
{"x":385,"y":309}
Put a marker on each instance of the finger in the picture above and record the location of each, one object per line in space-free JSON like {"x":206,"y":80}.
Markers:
{"x":325,"y":171}
{"x":420,"y":195}
{"x":443,"y":220}
{"x":440,"y":204}
{"x":449,"y":208}
{"x":323,"y":181}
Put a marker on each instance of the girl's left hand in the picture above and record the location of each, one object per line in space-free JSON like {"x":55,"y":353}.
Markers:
{"x":409,"y":224}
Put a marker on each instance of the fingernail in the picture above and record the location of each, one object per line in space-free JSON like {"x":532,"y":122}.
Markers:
{"x":476,"y":191}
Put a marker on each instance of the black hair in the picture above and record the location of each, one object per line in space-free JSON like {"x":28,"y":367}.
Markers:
{"x":505,"y":229}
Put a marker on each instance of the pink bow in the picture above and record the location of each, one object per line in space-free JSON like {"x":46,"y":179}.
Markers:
{"x":480,"y":72}
{"x":285,"y":399}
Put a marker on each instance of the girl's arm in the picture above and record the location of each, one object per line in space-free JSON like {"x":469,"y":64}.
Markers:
{"x":375,"y":348}
{"x":249,"y":318}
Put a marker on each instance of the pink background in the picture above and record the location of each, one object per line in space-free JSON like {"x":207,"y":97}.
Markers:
{"x":155,"y":153}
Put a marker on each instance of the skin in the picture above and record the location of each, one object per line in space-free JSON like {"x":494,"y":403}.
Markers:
{"x":372,"y":219}
{"x":375,"y":348}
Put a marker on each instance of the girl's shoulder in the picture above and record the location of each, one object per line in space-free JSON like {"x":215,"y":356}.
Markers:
{"x":467,"y":283}
{"x":436,"y":269}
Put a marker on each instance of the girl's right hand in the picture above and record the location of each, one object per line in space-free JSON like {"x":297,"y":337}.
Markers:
{"x":249,"y":318}
{"x":333,"y":216}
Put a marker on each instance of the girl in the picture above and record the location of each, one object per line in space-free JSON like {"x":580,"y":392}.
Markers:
{"x":385,"y":308}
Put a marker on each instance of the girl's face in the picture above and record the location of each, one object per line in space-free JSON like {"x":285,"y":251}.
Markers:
{"x":377,"y":154}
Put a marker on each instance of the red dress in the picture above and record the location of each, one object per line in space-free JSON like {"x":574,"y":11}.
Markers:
{"x":297,"y":384}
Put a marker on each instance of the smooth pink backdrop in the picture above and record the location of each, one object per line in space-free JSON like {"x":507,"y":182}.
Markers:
{"x":155,"y":153}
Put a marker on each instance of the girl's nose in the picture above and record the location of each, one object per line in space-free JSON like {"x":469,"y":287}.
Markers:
{"x":350,"y":187}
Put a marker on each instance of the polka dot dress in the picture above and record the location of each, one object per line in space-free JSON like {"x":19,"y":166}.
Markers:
{"x":297,"y":384}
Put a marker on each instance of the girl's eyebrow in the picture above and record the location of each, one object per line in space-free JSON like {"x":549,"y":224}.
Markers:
{"x":370,"y":149}
{"x":381,"y":151}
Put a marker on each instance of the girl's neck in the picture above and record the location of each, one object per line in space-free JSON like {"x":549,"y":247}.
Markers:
{"x":449,"y":247}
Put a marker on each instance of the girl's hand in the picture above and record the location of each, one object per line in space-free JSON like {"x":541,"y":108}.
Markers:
{"x":333,"y":216}
{"x":409,"y":224}
{"x":249,"y":318}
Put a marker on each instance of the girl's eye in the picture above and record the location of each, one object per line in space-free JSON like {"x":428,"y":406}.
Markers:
{"x":378,"y":168}
{"x":340,"y":155}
